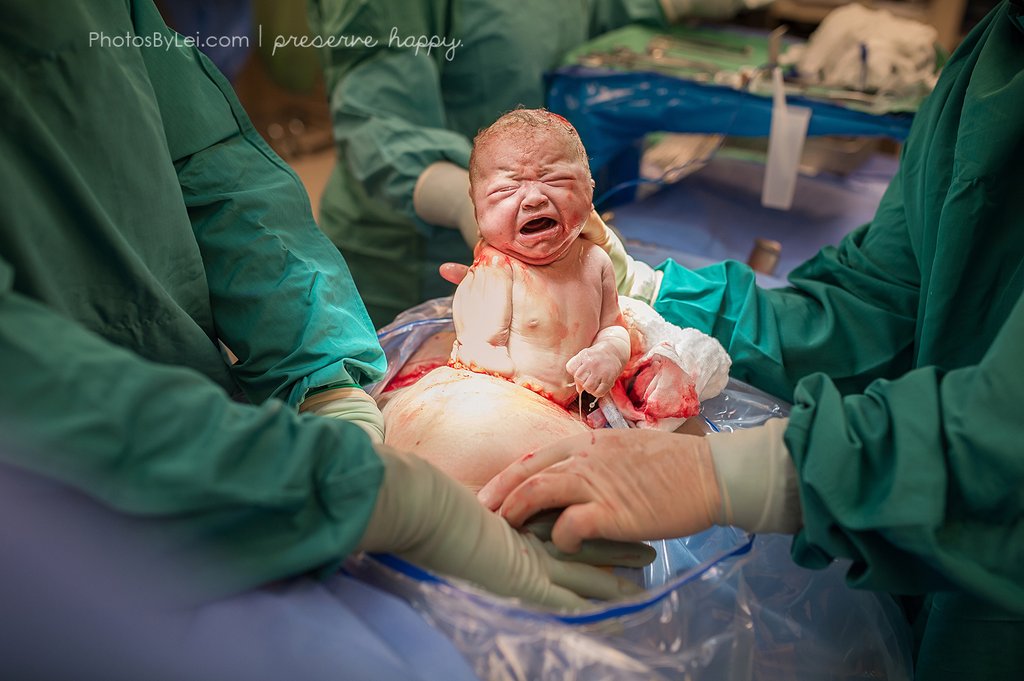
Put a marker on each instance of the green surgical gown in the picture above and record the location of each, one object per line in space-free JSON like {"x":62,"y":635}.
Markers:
{"x":396,"y":111}
{"x":144,"y":222}
{"x":902,"y":350}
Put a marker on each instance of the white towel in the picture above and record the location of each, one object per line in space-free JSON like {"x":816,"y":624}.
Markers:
{"x":865,"y":49}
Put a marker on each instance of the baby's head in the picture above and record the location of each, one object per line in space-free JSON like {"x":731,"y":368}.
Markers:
{"x":530,"y":184}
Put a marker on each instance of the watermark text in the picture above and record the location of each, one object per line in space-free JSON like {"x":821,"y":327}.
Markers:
{"x":427,"y":44}
{"x":165,"y":41}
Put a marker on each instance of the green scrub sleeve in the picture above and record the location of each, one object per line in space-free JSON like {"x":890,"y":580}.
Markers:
{"x":282,"y":296}
{"x":849,"y":313}
{"x":920,"y":480}
{"x":917,"y":480}
{"x":386,"y":101}
{"x":264,"y":492}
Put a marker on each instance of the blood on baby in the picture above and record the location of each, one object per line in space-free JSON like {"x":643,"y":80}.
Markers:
{"x":476,"y":369}
{"x":546,"y":395}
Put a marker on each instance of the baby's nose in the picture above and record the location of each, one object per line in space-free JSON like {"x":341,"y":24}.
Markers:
{"x":534,"y":198}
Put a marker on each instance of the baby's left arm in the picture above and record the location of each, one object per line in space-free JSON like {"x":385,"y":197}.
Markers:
{"x":596,"y":368}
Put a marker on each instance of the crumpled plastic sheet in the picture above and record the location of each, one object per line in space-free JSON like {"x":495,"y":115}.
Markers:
{"x":721,"y":604}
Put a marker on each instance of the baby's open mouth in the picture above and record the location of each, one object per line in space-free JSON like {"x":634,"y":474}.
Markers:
{"x":537,"y":225}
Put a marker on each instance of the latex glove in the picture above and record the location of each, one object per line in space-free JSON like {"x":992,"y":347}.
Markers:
{"x":757,"y":479}
{"x":632,"y":485}
{"x":632,"y":278}
{"x":350,"y":404}
{"x":596,"y":368}
{"x":441,"y":197}
{"x":453,"y":272}
{"x":627,"y":485}
{"x":433,"y":521}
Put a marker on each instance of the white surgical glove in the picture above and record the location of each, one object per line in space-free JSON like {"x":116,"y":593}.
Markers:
{"x":757,"y":479}
{"x":620,"y":484}
{"x":441,"y":197}
{"x":350,"y":404}
{"x":431,"y":520}
{"x":631,"y":485}
{"x":632,"y":278}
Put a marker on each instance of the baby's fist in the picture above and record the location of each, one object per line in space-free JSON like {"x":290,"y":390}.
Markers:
{"x":595,"y":370}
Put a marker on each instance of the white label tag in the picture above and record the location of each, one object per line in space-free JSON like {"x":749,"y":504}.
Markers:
{"x":785,"y":145}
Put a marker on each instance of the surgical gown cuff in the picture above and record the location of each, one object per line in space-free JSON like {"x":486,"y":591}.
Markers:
{"x":646,"y":283}
{"x":757,"y":479}
{"x":633,"y":278}
{"x":441,"y":197}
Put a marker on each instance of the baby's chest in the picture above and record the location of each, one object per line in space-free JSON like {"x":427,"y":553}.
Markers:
{"x":556,"y":309}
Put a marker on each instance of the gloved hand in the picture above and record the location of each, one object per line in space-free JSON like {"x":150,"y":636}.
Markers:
{"x":628,"y":485}
{"x":453,"y":272}
{"x":441,"y":197}
{"x":757,"y":479}
{"x":641,"y":484}
{"x":433,"y":521}
{"x":595,"y":369}
{"x":350,"y":404}
{"x":632,"y":277}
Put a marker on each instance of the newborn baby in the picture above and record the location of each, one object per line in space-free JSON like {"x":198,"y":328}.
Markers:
{"x":538,"y":307}
{"x":537,"y":319}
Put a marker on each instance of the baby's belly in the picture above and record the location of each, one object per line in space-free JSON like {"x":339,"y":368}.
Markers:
{"x":472,"y":425}
{"x":540,"y":367}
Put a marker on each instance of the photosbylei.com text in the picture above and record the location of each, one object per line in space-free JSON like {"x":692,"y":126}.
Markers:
{"x":427,"y":44}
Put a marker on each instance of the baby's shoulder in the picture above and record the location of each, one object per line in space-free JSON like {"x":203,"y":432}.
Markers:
{"x":592,"y":254}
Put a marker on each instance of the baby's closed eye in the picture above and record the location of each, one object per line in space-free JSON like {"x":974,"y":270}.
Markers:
{"x":560,"y":181}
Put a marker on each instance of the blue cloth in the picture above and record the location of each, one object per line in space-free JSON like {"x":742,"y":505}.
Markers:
{"x":204,"y":21}
{"x":96,"y":587}
{"x":612,"y":110}
{"x":323,"y":631}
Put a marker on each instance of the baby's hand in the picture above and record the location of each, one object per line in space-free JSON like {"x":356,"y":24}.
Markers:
{"x":595,"y":369}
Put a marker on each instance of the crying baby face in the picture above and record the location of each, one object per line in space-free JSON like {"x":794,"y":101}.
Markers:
{"x":530,"y":185}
